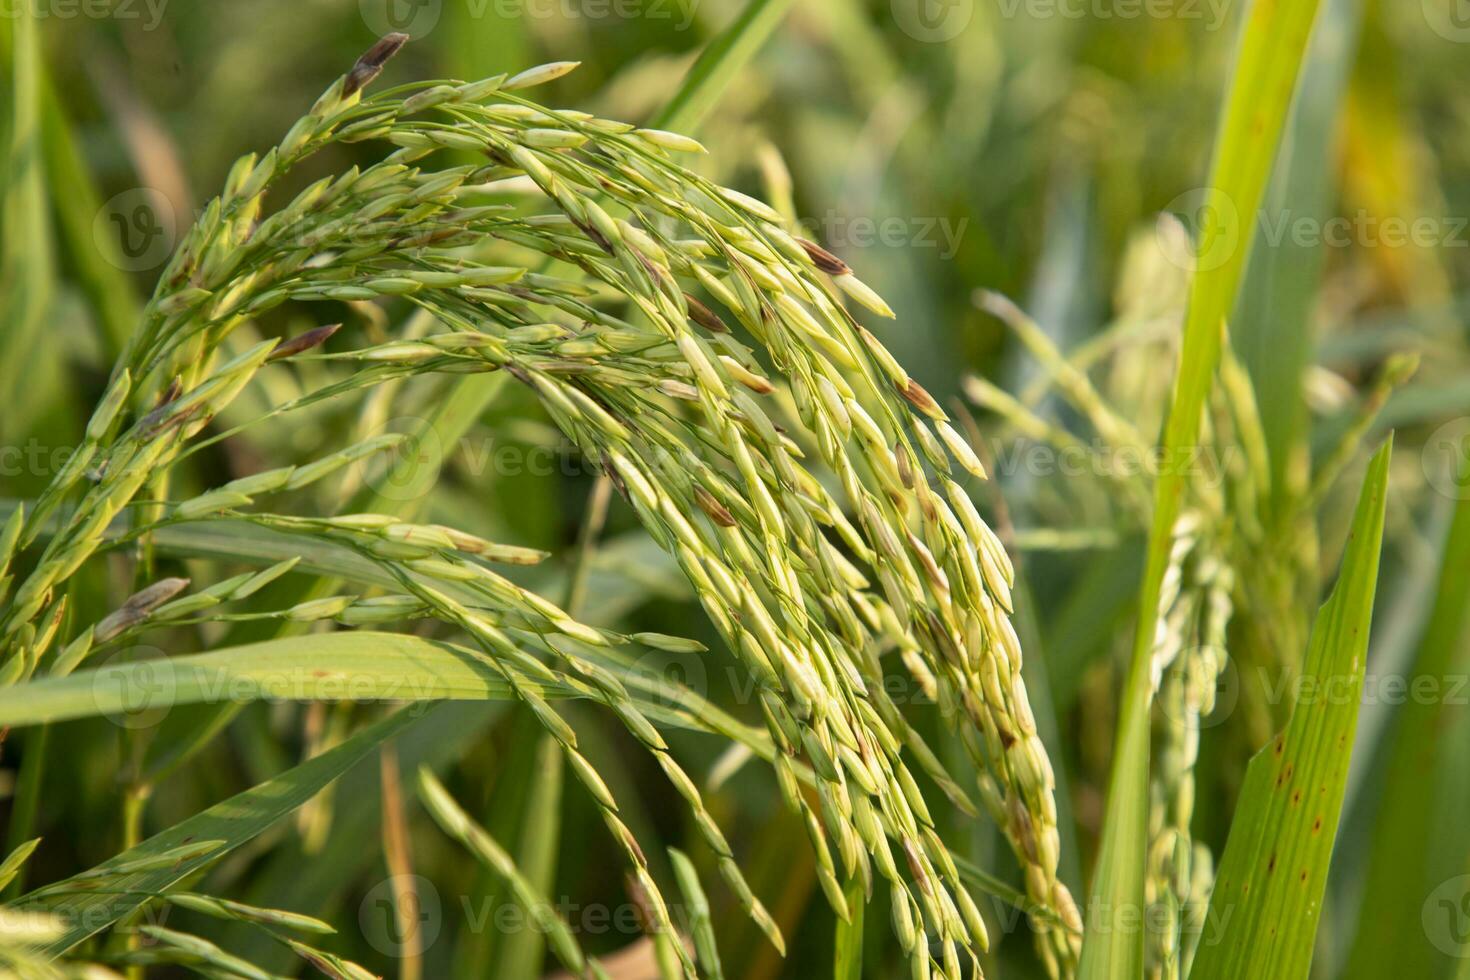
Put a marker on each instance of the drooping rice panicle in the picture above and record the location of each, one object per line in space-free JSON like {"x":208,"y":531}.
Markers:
{"x":719,"y":454}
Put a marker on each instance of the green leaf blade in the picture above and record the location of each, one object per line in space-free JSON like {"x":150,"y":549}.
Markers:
{"x":1268,"y":896}
{"x":26,"y":267}
{"x":1420,"y":836}
{"x":230,"y":823}
{"x":354,"y":666}
{"x":718,"y":64}
{"x":1265,"y":72}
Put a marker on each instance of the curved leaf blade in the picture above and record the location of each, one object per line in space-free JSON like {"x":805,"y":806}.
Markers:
{"x":230,"y":823}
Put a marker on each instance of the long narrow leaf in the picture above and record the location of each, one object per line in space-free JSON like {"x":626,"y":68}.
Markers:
{"x":230,"y":824}
{"x":520,"y":954}
{"x":1262,"y":921}
{"x":719,"y":62}
{"x":1264,"y":77}
{"x":25,"y":231}
{"x":1420,"y":828}
{"x":848,"y":954}
{"x":357,"y":666}
{"x":1273,"y":319}
{"x":94,"y":258}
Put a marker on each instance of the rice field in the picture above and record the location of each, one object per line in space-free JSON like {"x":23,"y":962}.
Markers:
{"x":644,"y":489}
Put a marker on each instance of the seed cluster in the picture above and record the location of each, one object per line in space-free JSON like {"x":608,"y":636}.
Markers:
{"x":1188,"y":661}
{"x":1226,"y":522}
{"x":700,"y":355}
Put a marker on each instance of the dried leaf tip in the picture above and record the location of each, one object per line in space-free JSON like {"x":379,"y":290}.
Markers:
{"x":160,"y":410}
{"x":717,"y":511}
{"x":704,"y":316}
{"x":303,"y":342}
{"x":156,"y":594}
{"x":137,"y":607}
{"x":916,"y":395}
{"x":824,"y":259}
{"x":171,"y":393}
{"x":370,"y":65}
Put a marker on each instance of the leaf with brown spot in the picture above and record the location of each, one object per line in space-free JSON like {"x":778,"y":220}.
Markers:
{"x":1271,"y":936}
